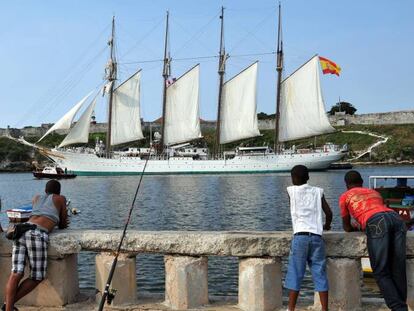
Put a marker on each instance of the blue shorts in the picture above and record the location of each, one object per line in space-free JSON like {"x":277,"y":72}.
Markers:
{"x":311,"y":250}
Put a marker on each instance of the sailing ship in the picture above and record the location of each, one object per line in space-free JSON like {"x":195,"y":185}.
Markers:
{"x":300,"y":113}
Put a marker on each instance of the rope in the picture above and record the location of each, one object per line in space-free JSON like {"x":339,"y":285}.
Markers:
{"x":52,"y":91}
{"x":68,"y":87}
{"x":142,"y":38}
{"x":250,"y":33}
{"x":197,"y":34}
{"x":198,"y":58}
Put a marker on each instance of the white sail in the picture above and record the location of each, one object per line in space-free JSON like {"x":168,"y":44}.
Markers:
{"x":80,"y":131}
{"x":182,"y":115}
{"x":238,"y":116}
{"x":126,"y":115}
{"x":302,"y":111}
{"x":65,"y":122}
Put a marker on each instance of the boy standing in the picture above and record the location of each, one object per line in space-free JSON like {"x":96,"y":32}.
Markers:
{"x":306,"y":206}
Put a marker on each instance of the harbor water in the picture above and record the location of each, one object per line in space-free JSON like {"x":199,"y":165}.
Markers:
{"x":185,"y":202}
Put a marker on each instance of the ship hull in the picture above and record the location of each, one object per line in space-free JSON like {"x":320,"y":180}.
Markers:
{"x":92,"y":165}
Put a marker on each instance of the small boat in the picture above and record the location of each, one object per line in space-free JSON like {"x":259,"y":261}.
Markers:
{"x":20,"y":214}
{"x":23,"y":213}
{"x":399,"y":197}
{"x":52,"y":172}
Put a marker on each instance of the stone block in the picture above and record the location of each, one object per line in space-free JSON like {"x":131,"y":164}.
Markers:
{"x":260,"y":284}
{"x":124,"y":279}
{"x":344,"y":276}
{"x":410,"y":283}
{"x":60,"y":287}
{"x":5,"y":268}
{"x":186,"y":282}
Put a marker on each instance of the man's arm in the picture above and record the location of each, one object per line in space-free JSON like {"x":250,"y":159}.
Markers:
{"x":60,"y":202}
{"x":328,"y":214}
{"x":35,"y":199}
{"x":346,"y":224}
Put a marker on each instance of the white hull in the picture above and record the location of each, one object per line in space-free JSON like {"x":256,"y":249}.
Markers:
{"x":90,"y":164}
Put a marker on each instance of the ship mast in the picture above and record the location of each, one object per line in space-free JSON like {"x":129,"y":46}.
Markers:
{"x":111,"y":77}
{"x":165,"y":75}
{"x":279,"y":69}
{"x":221,"y":71}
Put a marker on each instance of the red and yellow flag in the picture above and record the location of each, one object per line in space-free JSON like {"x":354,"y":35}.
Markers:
{"x":329,"y":66}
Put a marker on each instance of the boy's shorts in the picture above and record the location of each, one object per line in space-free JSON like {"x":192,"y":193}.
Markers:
{"x":33,"y":244}
{"x":308,"y":249}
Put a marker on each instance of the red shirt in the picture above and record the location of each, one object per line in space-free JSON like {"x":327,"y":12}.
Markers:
{"x":361,"y":204}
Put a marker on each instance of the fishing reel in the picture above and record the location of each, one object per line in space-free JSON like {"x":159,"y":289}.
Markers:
{"x":73,"y":210}
{"x":110,"y":296}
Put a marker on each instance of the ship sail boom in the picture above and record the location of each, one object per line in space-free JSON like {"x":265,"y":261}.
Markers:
{"x":302,"y":110}
{"x":238,"y":108}
{"x":182,"y":114}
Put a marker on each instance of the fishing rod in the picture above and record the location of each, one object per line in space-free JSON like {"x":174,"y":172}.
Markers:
{"x":108,"y":295}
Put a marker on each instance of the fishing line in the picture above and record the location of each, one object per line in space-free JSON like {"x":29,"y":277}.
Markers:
{"x":107,"y":295}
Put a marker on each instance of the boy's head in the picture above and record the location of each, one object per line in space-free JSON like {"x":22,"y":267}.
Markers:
{"x":353,"y":179}
{"x":300,"y":175}
{"x":52,"y":187}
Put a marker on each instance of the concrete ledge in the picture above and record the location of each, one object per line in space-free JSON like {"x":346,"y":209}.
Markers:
{"x":196,"y":243}
{"x":87,"y":303}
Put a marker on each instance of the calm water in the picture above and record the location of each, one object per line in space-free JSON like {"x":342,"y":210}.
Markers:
{"x":194,"y":202}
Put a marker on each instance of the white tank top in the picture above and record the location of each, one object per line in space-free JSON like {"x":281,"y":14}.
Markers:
{"x":306,"y":208}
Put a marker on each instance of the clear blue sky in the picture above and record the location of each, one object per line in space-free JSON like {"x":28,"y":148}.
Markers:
{"x":53,"y":52}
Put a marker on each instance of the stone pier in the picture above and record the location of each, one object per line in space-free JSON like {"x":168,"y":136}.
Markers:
{"x":341,"y":273}
{"x":186,"y":279}
{"x":124,"y":280}
{"x":260,"y":284}
{"x":186,"y":282}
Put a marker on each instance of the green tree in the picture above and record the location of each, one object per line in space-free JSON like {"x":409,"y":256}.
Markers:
{"x":343,"y":106}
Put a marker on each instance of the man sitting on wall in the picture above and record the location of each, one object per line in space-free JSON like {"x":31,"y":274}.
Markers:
{"x":386,"y":238}
{"x":49,"y":210}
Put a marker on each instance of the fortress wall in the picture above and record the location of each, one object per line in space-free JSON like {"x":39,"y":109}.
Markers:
{"x":397,"y":117}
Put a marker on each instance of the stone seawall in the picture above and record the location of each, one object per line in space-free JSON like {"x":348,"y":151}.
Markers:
{"x":186,"y":267}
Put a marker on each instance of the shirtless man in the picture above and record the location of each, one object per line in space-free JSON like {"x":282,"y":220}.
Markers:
{"x":49,"y":210}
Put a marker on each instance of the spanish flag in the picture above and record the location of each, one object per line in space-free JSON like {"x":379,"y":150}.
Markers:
{"x":329,"y":66}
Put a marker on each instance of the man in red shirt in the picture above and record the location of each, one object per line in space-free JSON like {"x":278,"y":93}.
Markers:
{"x":386,"y":238}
